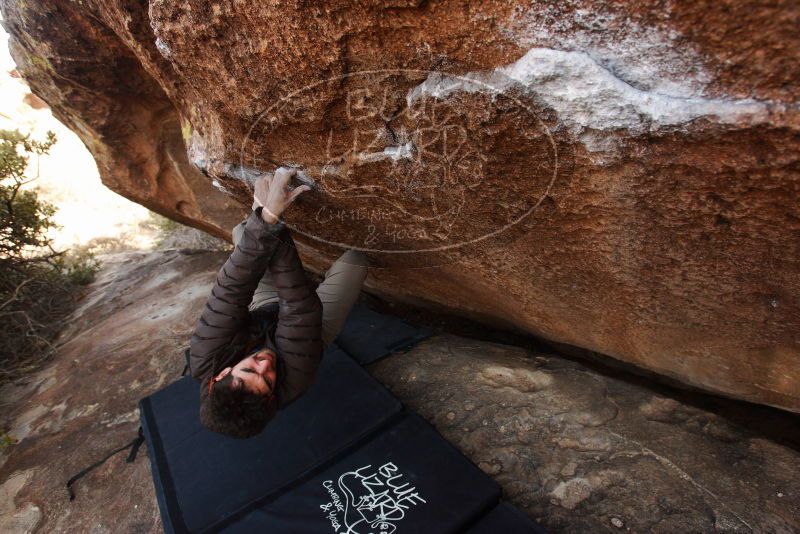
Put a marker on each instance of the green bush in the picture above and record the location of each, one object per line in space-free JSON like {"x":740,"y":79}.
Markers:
{"x":80,"y":265}
{"x":37,"y":283}
{"x":6,"y":440}
{"x":24,"y":220}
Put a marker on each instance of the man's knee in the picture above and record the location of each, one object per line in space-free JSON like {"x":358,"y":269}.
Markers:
{"x":354,"y":257}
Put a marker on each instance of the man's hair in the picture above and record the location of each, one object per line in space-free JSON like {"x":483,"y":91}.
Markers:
{"x":235,"y":412}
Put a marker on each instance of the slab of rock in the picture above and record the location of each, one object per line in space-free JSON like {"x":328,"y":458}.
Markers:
{"x":619,"y":177}
{"x":591,"y":450}
{"x":579,"y":448}
{"x":125,"y":341}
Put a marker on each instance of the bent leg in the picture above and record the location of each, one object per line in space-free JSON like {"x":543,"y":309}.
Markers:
{"x":339,"y":291}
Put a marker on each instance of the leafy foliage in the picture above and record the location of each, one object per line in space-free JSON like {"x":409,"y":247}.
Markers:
{"x":37,"y":282}
{"x":24,"y":220}
{"x":6,"y":440}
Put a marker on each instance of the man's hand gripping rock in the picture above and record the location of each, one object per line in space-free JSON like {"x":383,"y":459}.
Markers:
{"x":274,"y":193}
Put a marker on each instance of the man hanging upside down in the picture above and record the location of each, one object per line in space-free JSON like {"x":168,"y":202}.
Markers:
{"x":260,"y":338}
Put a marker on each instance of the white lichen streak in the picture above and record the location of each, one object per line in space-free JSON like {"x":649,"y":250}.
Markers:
{"x":163,"y":49}
{"x":589,"y":99}
{"x":652,"y":57}
{"x":394,"y":153}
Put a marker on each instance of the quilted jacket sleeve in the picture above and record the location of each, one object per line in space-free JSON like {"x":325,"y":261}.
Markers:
{"x":222,"y":329}
{"x":298,"y":335}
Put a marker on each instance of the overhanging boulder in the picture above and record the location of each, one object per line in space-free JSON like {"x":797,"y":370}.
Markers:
{"x":620,"y":178}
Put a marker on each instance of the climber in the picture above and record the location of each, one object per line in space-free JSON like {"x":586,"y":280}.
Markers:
{"x":260,"y":338}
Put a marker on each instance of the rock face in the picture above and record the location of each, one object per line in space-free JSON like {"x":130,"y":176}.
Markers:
{"x":588,"y":451}
{"x":124,"y":341}
{"x":616,"y":177}
{"x":582,"y":450}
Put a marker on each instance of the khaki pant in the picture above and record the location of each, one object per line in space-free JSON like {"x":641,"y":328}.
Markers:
{"x":337,"y":292}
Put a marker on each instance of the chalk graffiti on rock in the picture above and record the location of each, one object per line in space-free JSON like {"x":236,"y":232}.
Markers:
{"x":369,"y":501}
{"x":425,"y":168}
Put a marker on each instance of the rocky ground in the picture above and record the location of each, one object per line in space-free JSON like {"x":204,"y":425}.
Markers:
{"x":579,"y":447}
{"x":585,"y":451}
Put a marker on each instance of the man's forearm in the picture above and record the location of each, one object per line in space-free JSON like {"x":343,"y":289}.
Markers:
{"x":226,"y":312}
{"x":298,"y":335}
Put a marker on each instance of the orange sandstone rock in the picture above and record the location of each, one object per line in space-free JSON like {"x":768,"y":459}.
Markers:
{"x":621,"y":178}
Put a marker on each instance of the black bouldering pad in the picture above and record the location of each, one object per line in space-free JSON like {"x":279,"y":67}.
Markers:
{"x":203,"y":478}
{"x":506,"y":519}
{"x":369,"y":336}
{"x":406,"y":479}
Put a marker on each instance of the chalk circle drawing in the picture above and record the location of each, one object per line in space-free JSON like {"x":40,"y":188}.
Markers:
{"x":406,"y":165}
{"x":369,"y":500}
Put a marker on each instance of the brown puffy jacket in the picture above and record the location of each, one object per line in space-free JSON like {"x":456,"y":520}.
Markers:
{"x":227,"y":332}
